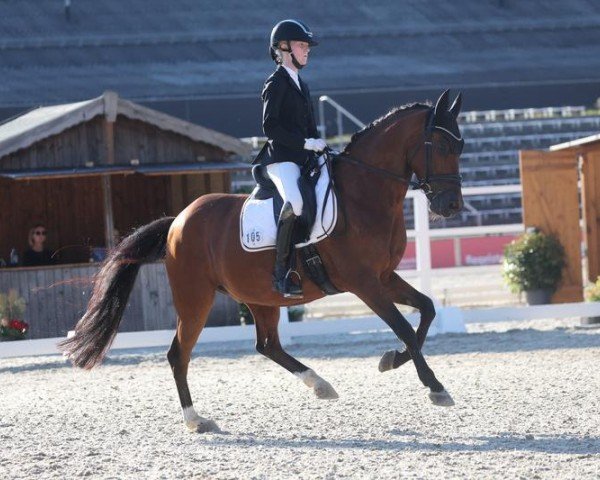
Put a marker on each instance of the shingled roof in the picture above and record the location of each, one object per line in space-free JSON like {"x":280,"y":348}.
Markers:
{"x":43,"y":122}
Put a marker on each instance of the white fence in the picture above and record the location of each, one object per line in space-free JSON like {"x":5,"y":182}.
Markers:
{"x":423,"y":234}
{"x":448,"y":320}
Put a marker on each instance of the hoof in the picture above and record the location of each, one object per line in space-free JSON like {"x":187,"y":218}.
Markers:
{"x":324,"y":391}
{"x":202,"y":425}
{"x":387,"y":361}
{"x":442,"y":399}
{"x":322,"y":388}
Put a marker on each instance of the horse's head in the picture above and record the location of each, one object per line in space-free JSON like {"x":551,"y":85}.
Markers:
{"x":434,"y":159}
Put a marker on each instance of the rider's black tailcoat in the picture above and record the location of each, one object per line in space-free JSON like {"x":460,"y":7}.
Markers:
{"x":288,"y":119}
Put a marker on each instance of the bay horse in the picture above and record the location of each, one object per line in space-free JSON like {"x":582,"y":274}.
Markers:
{"x":203,"y":254}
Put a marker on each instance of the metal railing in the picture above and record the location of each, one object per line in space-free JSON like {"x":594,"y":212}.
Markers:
{"x":341,"y":112}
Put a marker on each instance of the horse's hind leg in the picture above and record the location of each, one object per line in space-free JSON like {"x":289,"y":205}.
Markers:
{"x":403,"y":293}
{"x":192,"y":314}
{"x":268,"y":344}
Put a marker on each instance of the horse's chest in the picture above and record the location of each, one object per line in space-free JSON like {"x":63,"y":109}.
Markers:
{"x":397,"y":245}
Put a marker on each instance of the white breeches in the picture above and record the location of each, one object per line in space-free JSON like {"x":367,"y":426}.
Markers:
{"x":285,"y":176}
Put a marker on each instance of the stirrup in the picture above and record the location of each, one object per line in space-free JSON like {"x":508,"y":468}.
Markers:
{"x":293,"y":290}
{"x":287,"y":288}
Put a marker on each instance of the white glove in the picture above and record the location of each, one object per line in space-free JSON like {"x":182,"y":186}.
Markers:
{"x":315,"y":144}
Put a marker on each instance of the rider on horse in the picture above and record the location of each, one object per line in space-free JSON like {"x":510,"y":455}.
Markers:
{"x":293,"y":139}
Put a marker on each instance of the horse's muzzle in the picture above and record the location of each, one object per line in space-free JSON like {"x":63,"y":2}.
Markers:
{"x":447,"y":203}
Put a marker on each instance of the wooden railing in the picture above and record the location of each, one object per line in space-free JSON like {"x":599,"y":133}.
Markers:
{"x":56,"y":297}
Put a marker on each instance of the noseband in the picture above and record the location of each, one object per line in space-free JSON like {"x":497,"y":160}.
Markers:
{"x":424,"y":184}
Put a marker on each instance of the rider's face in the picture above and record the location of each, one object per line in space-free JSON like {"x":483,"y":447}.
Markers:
{"x":300,"y":50}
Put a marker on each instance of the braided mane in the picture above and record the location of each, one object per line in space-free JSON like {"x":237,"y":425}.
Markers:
{"x":395,"y":111}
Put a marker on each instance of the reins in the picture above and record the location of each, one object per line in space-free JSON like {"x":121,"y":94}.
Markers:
{"x":380,"y":171}
{"x":423,"y":184}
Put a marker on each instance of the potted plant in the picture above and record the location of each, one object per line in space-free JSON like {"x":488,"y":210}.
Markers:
{"x":533,"y":264}
{"x":296,"y":313}
{"x":246,"y":317}
{"x":12,"y":308}
{"x":592,"y":294}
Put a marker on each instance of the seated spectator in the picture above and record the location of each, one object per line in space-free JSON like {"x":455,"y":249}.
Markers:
{"x":37,"y":253}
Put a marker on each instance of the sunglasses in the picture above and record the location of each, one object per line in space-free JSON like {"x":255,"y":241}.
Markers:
{"x":41,"y":232}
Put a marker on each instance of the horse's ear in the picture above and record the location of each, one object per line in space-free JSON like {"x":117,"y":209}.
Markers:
{"x":442,"y":104}
{"x":455,"y":108}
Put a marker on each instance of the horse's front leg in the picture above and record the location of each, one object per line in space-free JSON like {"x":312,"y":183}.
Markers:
{"x":400,"y":291}
{"x":374,"y":294}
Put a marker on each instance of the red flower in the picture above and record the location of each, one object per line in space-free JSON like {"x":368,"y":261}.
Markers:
{"x":18,"y":325}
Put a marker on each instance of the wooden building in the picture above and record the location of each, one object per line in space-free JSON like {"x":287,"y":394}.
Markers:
{"x":561,"y":192}
{"x":91,"y":171}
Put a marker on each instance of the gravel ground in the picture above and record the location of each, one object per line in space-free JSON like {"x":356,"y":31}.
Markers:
{"x":526,"y":407}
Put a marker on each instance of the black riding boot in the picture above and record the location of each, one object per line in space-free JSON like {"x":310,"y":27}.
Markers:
{"x":284,"y":258}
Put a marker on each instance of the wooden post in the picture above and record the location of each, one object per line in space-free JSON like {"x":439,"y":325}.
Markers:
{"x":109,"y":221}
{"x":590,"y":193}
{"x":109,"y":142}
{"x":110,"y":111}
{"x":551,"y":203}
{"x":178,"y":197}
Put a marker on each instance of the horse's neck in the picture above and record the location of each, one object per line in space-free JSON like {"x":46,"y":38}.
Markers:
{"x":369,"y":199}
{"x":383,"y":186}
{"x":370,"y":188}
{"x":374,"y":196}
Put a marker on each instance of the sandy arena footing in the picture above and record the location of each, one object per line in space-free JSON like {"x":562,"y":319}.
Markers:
{"x":527,"y":406}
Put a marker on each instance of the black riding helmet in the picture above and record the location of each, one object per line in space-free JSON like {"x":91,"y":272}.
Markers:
{"x":288,"y":30}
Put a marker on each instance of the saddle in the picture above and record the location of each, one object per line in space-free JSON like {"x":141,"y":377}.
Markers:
{"x":265,"y":189}
{"x":260,"y":213}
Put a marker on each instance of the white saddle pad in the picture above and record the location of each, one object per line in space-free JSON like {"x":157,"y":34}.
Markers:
{"x":257,"y":224}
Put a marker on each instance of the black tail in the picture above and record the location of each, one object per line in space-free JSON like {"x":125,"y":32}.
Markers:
{"x":97,"y":328}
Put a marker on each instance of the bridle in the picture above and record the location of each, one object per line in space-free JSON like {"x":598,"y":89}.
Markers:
{"x":456,"y":147}
{"x":424,"y":184}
